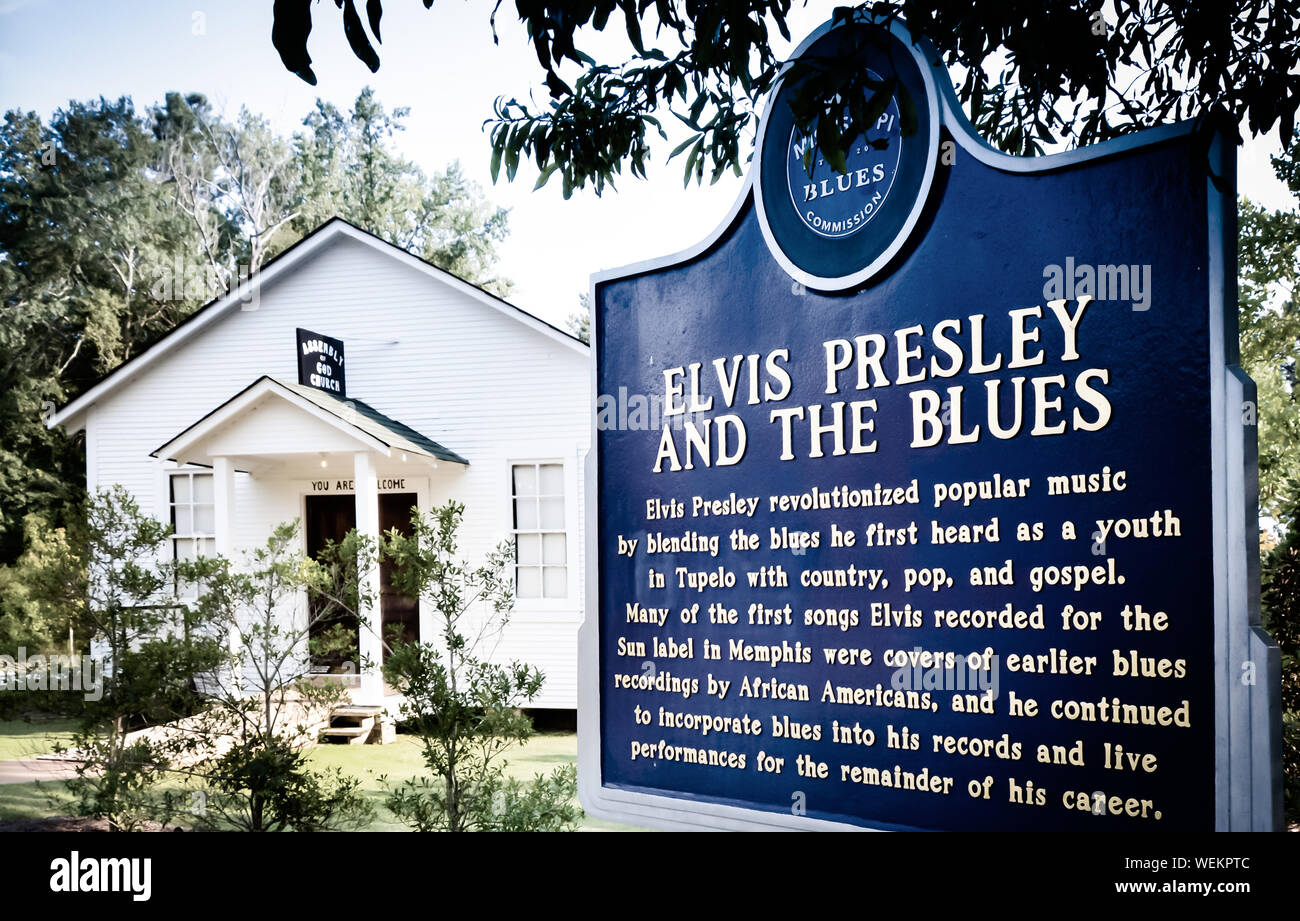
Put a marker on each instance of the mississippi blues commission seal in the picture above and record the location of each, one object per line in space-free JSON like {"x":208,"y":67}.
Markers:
{"x":832,"y":230}
{"x":835,"y":204}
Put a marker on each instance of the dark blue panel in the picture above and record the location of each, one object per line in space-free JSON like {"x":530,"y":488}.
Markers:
{"x":981,"y":249}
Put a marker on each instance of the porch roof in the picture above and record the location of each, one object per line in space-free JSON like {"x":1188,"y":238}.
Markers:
{"x":350,"y":415}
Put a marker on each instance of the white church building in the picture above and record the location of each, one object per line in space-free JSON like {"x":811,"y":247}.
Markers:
{"x":344,"y":383}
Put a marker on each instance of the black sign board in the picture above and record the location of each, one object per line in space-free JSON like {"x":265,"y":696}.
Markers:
{"x":320,"y":362}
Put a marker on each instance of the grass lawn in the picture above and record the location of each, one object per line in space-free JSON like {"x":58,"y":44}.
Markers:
{"x":398,"y":761}
{"x":32,"y":800}
{"x":21,"y":739}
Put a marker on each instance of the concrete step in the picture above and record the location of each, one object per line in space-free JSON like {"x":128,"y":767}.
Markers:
{"x":353,"y":735}
{"x":356,"y":724}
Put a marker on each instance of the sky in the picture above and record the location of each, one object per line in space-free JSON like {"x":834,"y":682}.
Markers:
{"x":441,"y":63}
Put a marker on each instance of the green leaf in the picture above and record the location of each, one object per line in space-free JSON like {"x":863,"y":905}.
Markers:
{"x":691,"y":160}
{"x":633,"y":28}
{"x":830,"y":142}
{"x":877,"y":104}
{"x":356,"y":37}
{"x":697,"y":109}
{"x":684,"y":144}
{"x":498,"y":146}
{"x":545,"y":175}
{"x":906,"y":112}
{"x":513,"y":146}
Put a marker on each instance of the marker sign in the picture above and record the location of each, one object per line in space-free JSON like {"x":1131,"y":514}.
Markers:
{"x":923,"y":494}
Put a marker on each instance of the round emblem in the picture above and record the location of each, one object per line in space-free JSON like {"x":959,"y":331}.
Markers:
{"x":834,"y":229}
{"x":833,"y":204}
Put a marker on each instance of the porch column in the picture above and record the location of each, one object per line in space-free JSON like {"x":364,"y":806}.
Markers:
{"x":223,"y":526}
{"x":366,"y":494}
{"x":223,"y":505}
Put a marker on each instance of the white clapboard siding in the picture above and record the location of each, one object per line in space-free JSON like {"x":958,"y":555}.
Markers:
{"x":482,"y":382}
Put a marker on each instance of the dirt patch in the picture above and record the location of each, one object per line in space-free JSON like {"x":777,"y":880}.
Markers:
{"x":74,"y":823}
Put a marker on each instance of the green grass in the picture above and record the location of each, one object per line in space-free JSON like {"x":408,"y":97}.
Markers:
{"x":21,"y":739}
{"x":399,"y":761}
{"x":33,"y":800}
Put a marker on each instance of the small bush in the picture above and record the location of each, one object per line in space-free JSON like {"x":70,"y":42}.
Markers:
{"x":1280,"y":604}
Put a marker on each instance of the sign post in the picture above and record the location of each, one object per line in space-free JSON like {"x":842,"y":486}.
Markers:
{"x":924,"y":492}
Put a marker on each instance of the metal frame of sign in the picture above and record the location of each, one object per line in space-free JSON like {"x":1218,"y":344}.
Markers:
{"x":1248,"y":758}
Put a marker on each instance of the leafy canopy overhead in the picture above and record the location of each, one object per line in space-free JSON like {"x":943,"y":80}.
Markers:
{"x":1032,"y":72}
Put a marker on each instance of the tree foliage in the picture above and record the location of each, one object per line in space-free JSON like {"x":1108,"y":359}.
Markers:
{"x":116,"y":224}
{"x":464,"y":708}
{"x":83,"y":228}
{"x":1280,"y":603}
{"x":1031,"y":73}
{"x":111,"y":572}
{"x":213,"y":694}
{"x":1268,"y":270}
{"x":579,"y":322}
{"x":268,"y":785}
{"x":349,"y":168}
{"x":1269,"y":265}
{"x":262,"y":703}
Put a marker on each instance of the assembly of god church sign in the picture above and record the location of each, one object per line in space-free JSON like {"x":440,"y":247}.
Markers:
{"x":320,"y":362}
{"x":924,"y":492}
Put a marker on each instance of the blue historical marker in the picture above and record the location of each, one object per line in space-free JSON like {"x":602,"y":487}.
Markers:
{"x":924,"y":492}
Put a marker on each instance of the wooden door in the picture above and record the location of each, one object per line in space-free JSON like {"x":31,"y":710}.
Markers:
{"x":398,"y":613}
{"x":329,"y":518}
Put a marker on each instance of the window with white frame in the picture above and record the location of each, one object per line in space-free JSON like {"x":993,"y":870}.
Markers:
{"x":193,"y":515}
{"x":541,"y":540}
